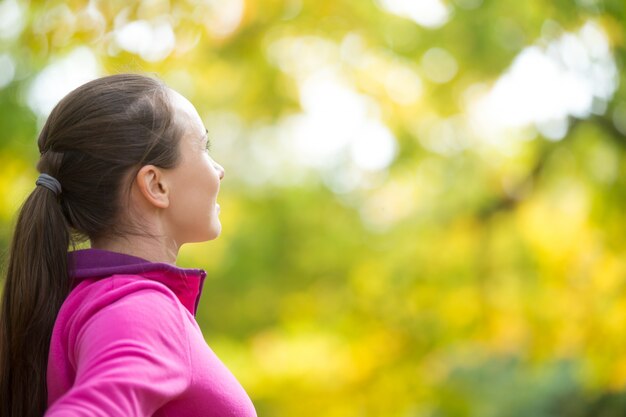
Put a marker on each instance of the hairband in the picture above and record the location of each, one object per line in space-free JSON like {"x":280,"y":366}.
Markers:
{"x":50,"y":183}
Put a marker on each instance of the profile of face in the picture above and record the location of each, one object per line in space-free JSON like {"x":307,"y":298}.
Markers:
{"x":192,"y":214}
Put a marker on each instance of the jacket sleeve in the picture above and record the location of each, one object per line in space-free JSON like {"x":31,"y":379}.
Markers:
{"x":131,"y":357}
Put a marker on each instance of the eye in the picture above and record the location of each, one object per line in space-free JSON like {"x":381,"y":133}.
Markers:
{"x":207,"y":146}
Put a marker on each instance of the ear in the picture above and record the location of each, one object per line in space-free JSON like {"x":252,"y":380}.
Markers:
{"x":152,"y":187}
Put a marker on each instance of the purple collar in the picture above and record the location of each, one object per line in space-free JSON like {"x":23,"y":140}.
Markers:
{"x":97,"y":263}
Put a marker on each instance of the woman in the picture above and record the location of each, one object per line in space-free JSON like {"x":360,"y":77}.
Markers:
{"x":110,"y":330}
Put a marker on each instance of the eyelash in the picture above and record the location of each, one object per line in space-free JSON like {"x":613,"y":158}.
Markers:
{"x":208,"y":145}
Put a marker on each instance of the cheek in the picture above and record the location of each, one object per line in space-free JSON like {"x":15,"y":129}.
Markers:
{"x":206,"y":190}
{"x":213,"y":180}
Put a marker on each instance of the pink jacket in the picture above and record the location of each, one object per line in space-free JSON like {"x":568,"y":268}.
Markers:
{"x":126,"y":343}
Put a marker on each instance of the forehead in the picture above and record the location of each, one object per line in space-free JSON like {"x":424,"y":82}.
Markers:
{"x":185,"y":110}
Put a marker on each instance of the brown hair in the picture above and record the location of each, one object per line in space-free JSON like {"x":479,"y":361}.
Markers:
{"x":93,"y":142}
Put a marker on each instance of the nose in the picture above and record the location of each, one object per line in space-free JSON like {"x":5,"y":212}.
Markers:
{"x":220,"y":170}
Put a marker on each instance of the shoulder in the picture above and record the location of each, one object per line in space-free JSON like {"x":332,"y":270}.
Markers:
{"x":136,"y":295}
{"x":122,"y":303}
{"x":124,"y":338}
{"x":127,"y":290}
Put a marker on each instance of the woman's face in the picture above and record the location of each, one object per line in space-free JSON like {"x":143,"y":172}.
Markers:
{"x":193,"y":212}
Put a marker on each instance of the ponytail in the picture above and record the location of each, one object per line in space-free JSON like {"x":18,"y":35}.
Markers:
{"x":36,"y":285}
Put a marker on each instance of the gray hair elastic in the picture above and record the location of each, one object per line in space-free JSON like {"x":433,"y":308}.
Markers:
{"x":50,"y":183}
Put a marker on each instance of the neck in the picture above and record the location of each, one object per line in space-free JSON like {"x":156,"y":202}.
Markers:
{"x":149,"y":248}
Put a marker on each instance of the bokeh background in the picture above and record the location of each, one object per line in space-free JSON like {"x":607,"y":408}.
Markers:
{"x":424,"y":199}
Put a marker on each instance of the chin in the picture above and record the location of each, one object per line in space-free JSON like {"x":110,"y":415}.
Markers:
{"x":215,"y":232}
{"x":211,"y":234}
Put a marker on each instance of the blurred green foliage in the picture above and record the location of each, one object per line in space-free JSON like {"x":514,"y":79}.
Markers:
{"x":468,"y":282}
